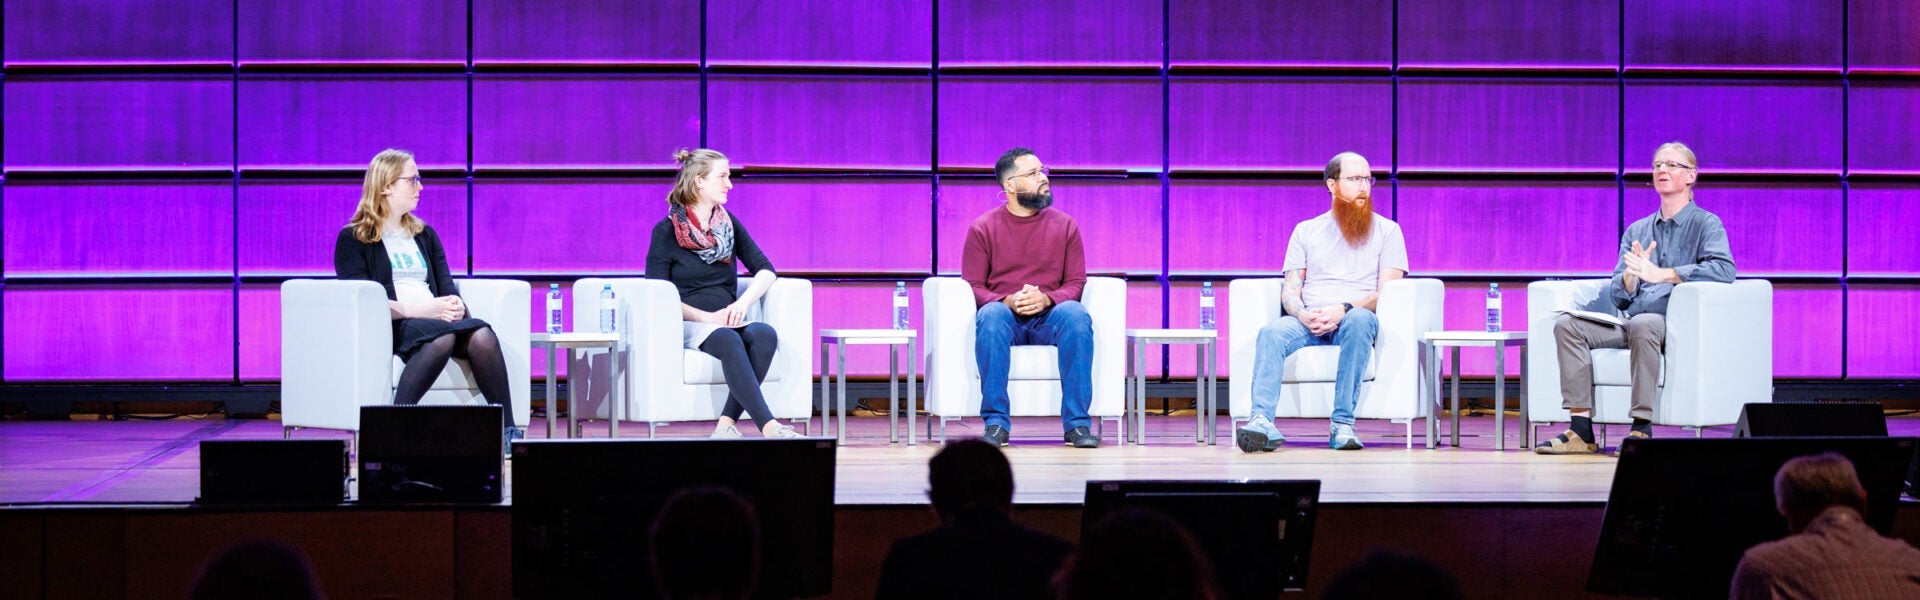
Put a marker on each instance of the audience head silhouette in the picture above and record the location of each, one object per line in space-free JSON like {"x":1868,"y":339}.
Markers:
{"x":1389,"y":574}
{"x":1136,"y":553}
{"x":1809,"y":485}
{"x":705,"y":545}
{"x":970,"y":476}
{"x":257,"y":570}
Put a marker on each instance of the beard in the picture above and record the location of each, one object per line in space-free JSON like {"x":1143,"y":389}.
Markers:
{"x":1034,"y":200}
{"x":1355,"y":216}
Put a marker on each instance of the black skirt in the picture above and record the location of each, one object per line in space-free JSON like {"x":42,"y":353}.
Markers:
{"x":410,"y":334}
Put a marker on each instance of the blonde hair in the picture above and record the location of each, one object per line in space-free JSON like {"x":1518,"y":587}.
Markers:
{"x":372,"y":213}
{"x":1683,"y":150}
{"x":694,"y":164}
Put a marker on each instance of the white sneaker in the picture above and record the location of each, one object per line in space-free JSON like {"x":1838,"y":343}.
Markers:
{"x":725,"y":433}
{"x":785,"y":433}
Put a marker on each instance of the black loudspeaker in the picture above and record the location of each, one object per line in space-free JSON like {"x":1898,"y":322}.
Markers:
{"x":1809,"y":419}
{"x":430,"y":454}
{"x":273,"y":471}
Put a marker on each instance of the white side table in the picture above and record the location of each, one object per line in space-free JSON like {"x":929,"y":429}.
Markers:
{"x":553,"y":343}
{"x":1206,"y":364}
{"x":894,"y":339}
{"x":1430,"y":345}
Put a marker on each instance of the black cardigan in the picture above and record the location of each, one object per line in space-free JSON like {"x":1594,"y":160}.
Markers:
{"x":354,"y":259}
{"x":708,"y":287}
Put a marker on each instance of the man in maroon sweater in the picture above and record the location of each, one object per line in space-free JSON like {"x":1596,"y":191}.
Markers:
{"x":1027,"y":268}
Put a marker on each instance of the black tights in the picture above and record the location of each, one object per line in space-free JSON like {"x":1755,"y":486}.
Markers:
{"x":480,"y":347}
{"x":745,"y":355}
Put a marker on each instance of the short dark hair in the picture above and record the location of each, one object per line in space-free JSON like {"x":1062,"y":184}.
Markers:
{"x":705,"y":542}
{"x":1003,"y":168}
{"x":1385,"y":573}
{"x":1333,"y":165}
{"x":1809,"y":484}
{"x":970,"y":475}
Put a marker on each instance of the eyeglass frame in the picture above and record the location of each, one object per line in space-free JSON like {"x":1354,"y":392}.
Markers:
{"x":416,"y":179}
{"x":1668,"y":165}
{"x":1359,"y":179}
{"x":1043,"y":170}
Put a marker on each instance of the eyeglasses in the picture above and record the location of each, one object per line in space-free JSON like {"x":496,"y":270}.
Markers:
{"x":414,"y":180}
{"x":1670,"y":166}
{"x":1040,"y":171}
{"x":1359,"y":179}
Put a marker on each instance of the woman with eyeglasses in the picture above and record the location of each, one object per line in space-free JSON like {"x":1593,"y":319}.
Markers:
{"x":386,"y":243}
{"x":700,"y":247}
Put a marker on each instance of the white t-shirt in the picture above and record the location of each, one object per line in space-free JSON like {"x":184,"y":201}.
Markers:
{"x":1338,"y":272}
{"x":409,"y":267}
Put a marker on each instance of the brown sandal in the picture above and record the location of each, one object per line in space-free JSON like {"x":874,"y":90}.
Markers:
{"x":1567,"y":443}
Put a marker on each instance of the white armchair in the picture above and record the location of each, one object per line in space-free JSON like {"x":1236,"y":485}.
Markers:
{"x":1388,"y":390}
{"x":1033,"y":384}
{"x":1719,"y":353}
{"x":336,"y":350}
{"x":671,"y":383}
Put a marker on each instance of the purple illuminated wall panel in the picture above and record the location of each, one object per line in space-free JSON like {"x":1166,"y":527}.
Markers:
{"x":1880,"y":35}
{"x":1734,"y":34}
{"x":1273,"y":123}
{"x":119,"y":123}
{"x":1466,"y":310}
{"x":1883,"y":126}
{"x":542,"y":120}
{"x":566,"y":226}
{"x":1465,"y":33}
{"x":1070,"y":122}
{"x":1880,"y":218}
{"x":1881,"y":328}
{"x":1775,"y":229}
{"x":119,"y":32}
{"x":290,"y":227}
{"x":863,"y":305}
{"x":1510,"y":228}
{"x":353,"y":31}
{"x":340,"y":122}
{"x":538,"y":305}
{"x":1242,"y":227}
{"x":815,"y":121}
{"x":94,"y":229}
{"x":1315,"y":33}
{"x":1806,"y":330}
{"x":260,"y":332}
{"x":109,"y":333}
{"x":1183,"y":312}
{"x":839,"y":225}
{"x":1065,"y":32}
{"x":866,"y":33}
{"x":1736,"y":126}
{"x":1510,"y":125}
{"x":595,"y":31}
{"x":1119,"y":220}
{"x":1144,"y":310}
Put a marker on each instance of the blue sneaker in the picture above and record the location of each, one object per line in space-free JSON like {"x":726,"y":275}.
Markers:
{"x":507,"y":437}
{"x":1258,"y":435}
{"x":1343,"y":438}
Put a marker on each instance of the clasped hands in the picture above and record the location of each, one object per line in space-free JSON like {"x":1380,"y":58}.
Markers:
{"x":1640,"y":266}
{"x":445,"y":308}
{"x":1028,"y":301}
{"x":1323,"y":320}
{"x":731,"y":315}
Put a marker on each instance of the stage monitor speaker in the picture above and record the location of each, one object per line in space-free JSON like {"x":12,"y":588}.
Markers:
{"x":1257,"y":533}
{"x":430,"y":454}
{"x":1804,"y":419}
{"x":273,"y":471}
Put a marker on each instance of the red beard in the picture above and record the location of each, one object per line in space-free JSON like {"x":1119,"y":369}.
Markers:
{"x":1355,"y":217}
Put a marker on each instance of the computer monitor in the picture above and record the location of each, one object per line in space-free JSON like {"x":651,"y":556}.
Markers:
{"x":1246,"y":527}
{"x":1682,"y":511}
{"x":435,"y":453}
{"x":582,"y":510}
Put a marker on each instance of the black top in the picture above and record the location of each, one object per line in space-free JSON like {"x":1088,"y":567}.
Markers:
{"x":354,"y":259}
{"x":708,"y":287}
{"x":983,"y":555}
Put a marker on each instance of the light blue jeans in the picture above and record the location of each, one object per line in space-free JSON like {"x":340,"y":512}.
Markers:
{"x":1287,"y":335}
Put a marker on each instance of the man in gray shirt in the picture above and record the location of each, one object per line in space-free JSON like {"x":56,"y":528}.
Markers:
{"x":1680,"y":243}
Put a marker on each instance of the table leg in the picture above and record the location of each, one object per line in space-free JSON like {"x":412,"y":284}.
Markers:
{"x":1428,"y":391}
{"x":913,"y":359}
{"x":1140,"y":394}
{"x":1456,"y":396}
{"x":573,"y":396}
{"x":1213,"y":392}
{"x":840,"y":429}
{"x":1526,"y":416}
{"x":1126,"y":394}
{"x":615,"y":410}
{"x":1199,"y":396}
{"x":826,"y":391}
{"x":553,"y":394}
{"x":893,"y":393}
{"x":1500,"y":396}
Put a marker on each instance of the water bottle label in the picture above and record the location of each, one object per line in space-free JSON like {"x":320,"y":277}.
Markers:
{"x":1493,"y":303}
{"x":1206,"y":302}
{"x":900,"y":301}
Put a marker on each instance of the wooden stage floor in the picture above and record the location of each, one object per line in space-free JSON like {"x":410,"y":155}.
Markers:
{"x":137,"y":462}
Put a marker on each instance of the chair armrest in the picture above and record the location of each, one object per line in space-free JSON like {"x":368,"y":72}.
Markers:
{"x":336,"y":349}
{"x":1407,"y":309}
{"x":948,"y":320}
{"x":788,"y":308}
{"x":507,"y":305}
{"x":648,"y":316}
{"x":1719,"y":351}
{"x":1106,"y":302}
{"x":1544,"y":300}
{"x":1253,"y":303}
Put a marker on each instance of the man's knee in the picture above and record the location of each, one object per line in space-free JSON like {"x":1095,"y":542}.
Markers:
{"x":1281,"y":331}
{"x":1360,"y":320}
{"x":1647,"y":328}
{"x":1071,"y":317}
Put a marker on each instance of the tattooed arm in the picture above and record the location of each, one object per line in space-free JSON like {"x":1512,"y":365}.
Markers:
{"x":1292,"y":301}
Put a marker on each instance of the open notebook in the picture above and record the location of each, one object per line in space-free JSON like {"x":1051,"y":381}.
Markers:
{"x":1597,"y":317}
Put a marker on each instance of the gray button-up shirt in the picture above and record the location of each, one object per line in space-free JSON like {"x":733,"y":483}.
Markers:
{"x":1693,"y":243}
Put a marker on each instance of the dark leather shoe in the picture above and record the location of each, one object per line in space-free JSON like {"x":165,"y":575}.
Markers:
{"x":1080,"y":437}
{"x":995,"y":435}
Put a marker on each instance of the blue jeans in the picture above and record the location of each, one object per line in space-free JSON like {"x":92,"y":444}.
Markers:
{"x":1286,"y":335}
{"x":1067,"y":326}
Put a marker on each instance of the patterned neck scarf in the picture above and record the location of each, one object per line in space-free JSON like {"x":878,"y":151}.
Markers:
{"x":712,"y":247}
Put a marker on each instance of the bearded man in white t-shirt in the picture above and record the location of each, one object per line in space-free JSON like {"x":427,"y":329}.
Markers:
{"x":1336,"y":264}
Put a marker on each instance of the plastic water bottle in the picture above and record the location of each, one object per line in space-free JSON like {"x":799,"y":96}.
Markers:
{"x":1493,"y":307}
{"x":1206,"y":306}
{"x":553,"y":308}
{"x":900,"y":305}
{"x":607,"y":307}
